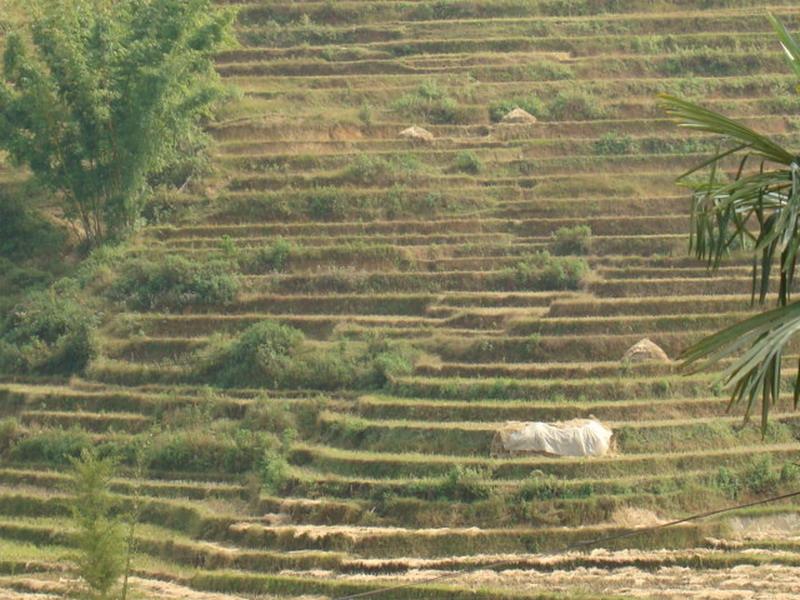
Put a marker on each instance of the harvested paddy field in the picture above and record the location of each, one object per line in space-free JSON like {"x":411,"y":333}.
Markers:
{"x":433,"y":286}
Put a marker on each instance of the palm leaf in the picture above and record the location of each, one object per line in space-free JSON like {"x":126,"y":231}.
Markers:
{"x":693,"y":116}
{"x":758,"y":345}
{"x":790,"y":46}
{"x":762,"y":206}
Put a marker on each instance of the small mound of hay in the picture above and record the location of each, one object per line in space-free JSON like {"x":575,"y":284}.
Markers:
{"x":633,"y":518}
{"x":519,"y":116}
{"x":645,"y":351}
{"x":417,"y":134}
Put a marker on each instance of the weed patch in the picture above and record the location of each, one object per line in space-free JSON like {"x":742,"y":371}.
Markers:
{"x":51,"y":332}
{"x":572,"y":240}
{"x":542,"y":271}
{"x":174,"y":283}
{"x":430,"y":104}
{"x":275,"y":355}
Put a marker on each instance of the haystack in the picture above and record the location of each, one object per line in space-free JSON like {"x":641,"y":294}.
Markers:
{"x":519,"y":116}
{"x":578,"y":437}
{"x":645,"y":351}
{"x":417,"y":134}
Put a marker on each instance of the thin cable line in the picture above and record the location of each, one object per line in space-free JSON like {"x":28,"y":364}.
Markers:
{"x":573,"y":546}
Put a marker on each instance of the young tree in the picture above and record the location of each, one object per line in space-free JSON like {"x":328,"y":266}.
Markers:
{"x":758,"y":209}
{"x":101,"y":97}
{"x":101,"y":537}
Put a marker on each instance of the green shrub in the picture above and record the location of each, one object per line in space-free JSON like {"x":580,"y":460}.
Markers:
{"x":542,"y":487}
{"x":51,"y":333}
{"x":54,"y":446}
{"x":728,"y":482}
{"x":468,"y":162}
{"x":463,"y":484}
{"x":274,"y":257}
{"x":761,"y":477}
{"x":100,"y":536}
{"x":271,"y":415}
{"x":572,"y":240}
{"x":790,"y":473}
{"x":328,"y":204}
{"x":567,"y":105}
{"x":429,"y":103}
{"x":574,"y":106}
{"x":543,"y":271}
{"x":365,"y":115}
{"x":614,"y":144}
{"x":548,"y":70}
{"x":354,"y":366}
{"x":262,"y":355}
{"x":564,"y":273}
{"x":208,"y":449}
{"x":10,"y":432}
{"x":377,"y":170}
{"x":275,"y":471}
{"x":174,"y":283}
{"x":228,"y":247}
{"x":274,"y":355}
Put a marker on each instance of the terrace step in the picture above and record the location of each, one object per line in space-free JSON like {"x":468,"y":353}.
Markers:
{"x":471,"y":438}
{"x":389,"y":407}
{"x":621,"y":465}
{"x":620,"y":325}
{"x":96,"y":422}
{"x":670,"y":305}
{"x":430,"y":543}
{"x":557,"y":348}
{"x":316,"y":326}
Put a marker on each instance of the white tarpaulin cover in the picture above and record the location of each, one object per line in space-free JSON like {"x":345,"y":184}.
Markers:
{"x":579,"y":437}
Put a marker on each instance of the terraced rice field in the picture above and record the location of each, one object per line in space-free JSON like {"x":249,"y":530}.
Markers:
{"x":415,"y":243}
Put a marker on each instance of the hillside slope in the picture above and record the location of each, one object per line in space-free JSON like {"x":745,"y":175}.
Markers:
{"x":378,"y":248}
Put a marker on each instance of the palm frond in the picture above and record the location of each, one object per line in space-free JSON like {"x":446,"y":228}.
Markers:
{"x":757,"y":345}
{"x":755,"y":209}
{"x":693,"y":116}
{"x":790,"y":46}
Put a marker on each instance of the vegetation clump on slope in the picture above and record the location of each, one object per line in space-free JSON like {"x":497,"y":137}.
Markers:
{"x":273,"y":355}
{"x":174,"y":283}
{"x":50,"y":333}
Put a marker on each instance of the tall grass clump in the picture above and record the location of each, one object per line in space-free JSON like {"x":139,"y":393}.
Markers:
{"x":468,"y":162}
{"x":367,"y":169}
{"x":572,"y":240}
{"x":614,"y":144}
{"x":567,"y":105}
{"x":262,"y":355}
{"x":542,"y":271}
{"x":429,"y":103}
{"x":51,"y":332}
{"x":174,"y":283}
{"x":274,"y":355}
{"x":273,"y":257}
{"x":574,"y":105}
{"x":459,"y":484}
